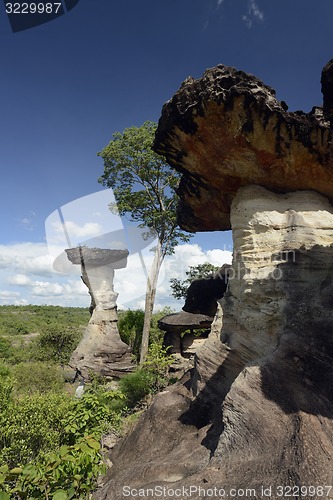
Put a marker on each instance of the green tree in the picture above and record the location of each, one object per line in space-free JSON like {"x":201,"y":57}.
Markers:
{"x":144,"y":187}
{"x":179,"y":287}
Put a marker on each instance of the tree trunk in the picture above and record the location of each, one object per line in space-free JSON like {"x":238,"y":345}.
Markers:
{"x":150,"y":299}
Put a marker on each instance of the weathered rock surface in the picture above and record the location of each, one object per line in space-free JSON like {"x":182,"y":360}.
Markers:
{"x":258,"y":409}
{"x":101,"y":350}
{"x":226,"y":130}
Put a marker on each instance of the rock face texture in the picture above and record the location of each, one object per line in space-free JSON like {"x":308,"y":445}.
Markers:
{"x":101,"y":350}
{"x":254,"y":418}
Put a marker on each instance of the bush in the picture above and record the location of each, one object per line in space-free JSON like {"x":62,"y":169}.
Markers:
{"x":4,"y":370}
{"x":6,"y":390}
{"x":92,"y":414}
{"x":5,"y":348}
{"x":31,"y":425}
{"x":56,"y":343}
{"x":157,"y":365}
{"x":49,"y":443}
{"x":130,"y":326}
{"x":69,"y":473}
{"x":136,"y":386}
{"x":37,"y":377}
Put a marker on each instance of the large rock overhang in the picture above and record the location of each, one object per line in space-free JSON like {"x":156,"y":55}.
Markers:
{"x":227,"y":130}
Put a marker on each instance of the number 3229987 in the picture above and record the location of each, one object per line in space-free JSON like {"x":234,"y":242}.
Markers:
{"x":32,"y":8}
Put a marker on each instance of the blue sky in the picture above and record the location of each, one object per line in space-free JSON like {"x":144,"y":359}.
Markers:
{"x":68,"y":85}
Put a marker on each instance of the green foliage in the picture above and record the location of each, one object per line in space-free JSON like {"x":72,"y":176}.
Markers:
{"x":6,"y":390}
{"x":143,"y":184}
{"x":57,"y":342}
{"x":69,"y":473}
{"x":136,"y":386}
{"x":130,"y":325}
{"x":93,"y":414}
{"x":49,"y":443}
{"x":157,"y":365}
{"x":4,"y":370}
{"x":179,"y":287}
{"x":31,"y":425}
{"x":41,"y":333}
{"x":37,"y":377}
{"x":5,"y":348}
{"x":23,"y":320}
{"x":150,"y":378}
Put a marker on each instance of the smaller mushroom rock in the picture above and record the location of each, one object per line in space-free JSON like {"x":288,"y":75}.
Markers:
{"x":198,"y":311}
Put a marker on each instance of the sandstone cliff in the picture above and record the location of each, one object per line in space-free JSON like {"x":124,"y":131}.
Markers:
{"x":255,"y":414}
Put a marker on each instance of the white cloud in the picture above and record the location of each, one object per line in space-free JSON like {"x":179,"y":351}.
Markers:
{"x":20,"y":280}
{"x":253,"y":14}
{"x":23,"y":258}
{"x":76,"y":231}
{"x":7,"y":295}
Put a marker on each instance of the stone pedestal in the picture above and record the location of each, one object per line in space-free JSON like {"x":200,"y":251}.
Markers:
{"x":101,"y":351}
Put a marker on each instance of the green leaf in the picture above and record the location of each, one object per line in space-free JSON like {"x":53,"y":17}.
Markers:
{"x":63,"y":450}
{"x":4,"y":496}
{"x":16,"y":471}
{"x":93,"y":444}
{"x":84,"y":447}
{"x":60,"y":495}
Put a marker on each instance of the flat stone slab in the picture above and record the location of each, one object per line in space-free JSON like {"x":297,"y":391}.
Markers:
{"x":96,"y":256}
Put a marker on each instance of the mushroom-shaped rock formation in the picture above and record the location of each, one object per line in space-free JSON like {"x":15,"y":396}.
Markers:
{"x":101,"y":351}
{"x":256,"y":413}
{"x":198,"y":313}
{"x":227,"y":130}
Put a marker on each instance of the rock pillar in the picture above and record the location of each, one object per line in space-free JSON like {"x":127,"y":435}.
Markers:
{"x":258,"y":409}
{"x":101,"y":351}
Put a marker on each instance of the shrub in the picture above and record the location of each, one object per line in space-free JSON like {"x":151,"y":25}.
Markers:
{"x":5,"y":348}
{"x":130,"y":327}
{"x":31,"y":425}
{"x":57,"y":342}
{"x":157,"y":365}
{"x":136,"y":386}
{"x":6,"y":390}
{"x":69,"y":473}
{"x":92,"y":414}
{"x":4,"y":370}
{"x":37,"y":377}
